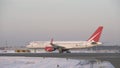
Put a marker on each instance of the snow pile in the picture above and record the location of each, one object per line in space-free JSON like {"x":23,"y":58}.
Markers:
{"x":38,"y":62}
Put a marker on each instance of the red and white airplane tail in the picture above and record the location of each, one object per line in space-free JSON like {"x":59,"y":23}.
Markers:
{"x":96,"y":35}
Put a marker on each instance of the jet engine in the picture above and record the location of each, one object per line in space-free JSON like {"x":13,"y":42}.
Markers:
{"x":49,"y":48}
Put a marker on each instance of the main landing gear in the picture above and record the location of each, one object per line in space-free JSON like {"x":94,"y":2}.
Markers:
{"x":63,"y":50}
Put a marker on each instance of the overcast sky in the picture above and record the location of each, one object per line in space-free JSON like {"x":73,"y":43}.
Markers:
{"x":36,"y":20}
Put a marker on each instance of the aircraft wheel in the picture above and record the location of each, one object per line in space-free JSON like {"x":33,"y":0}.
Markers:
{"x":68,"y":51}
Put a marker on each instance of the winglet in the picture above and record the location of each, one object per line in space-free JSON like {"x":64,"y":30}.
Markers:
{"x":96,"y":35}
{"x":51,"y":41}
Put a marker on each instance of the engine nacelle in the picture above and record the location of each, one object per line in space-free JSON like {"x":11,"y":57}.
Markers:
{"x":49,"y":48}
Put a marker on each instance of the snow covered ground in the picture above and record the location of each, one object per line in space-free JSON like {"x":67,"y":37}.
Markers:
{"x":39,"y":62}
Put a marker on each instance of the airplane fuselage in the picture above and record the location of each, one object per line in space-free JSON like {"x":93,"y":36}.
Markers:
{"x":66,"y":44}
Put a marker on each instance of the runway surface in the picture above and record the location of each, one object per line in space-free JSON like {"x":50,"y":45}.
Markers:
{"x":114,"y":58}
{"x":40,"y":62}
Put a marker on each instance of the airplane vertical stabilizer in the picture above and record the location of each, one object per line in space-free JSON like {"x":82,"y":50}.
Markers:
{"x":96,"y":35}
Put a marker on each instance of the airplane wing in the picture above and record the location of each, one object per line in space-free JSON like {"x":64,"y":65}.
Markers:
{"x":57,"y":46}
{"x":61,"y":49}
{"x":54,"y":47}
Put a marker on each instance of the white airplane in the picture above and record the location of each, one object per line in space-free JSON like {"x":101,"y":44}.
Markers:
{"x":62,"y":46}
{"x":65,"y":46}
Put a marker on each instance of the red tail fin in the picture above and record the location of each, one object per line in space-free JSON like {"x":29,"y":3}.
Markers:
{"x":96,"y":35}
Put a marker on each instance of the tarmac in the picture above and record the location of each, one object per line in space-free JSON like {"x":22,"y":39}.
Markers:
{"x":114,"y":58}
